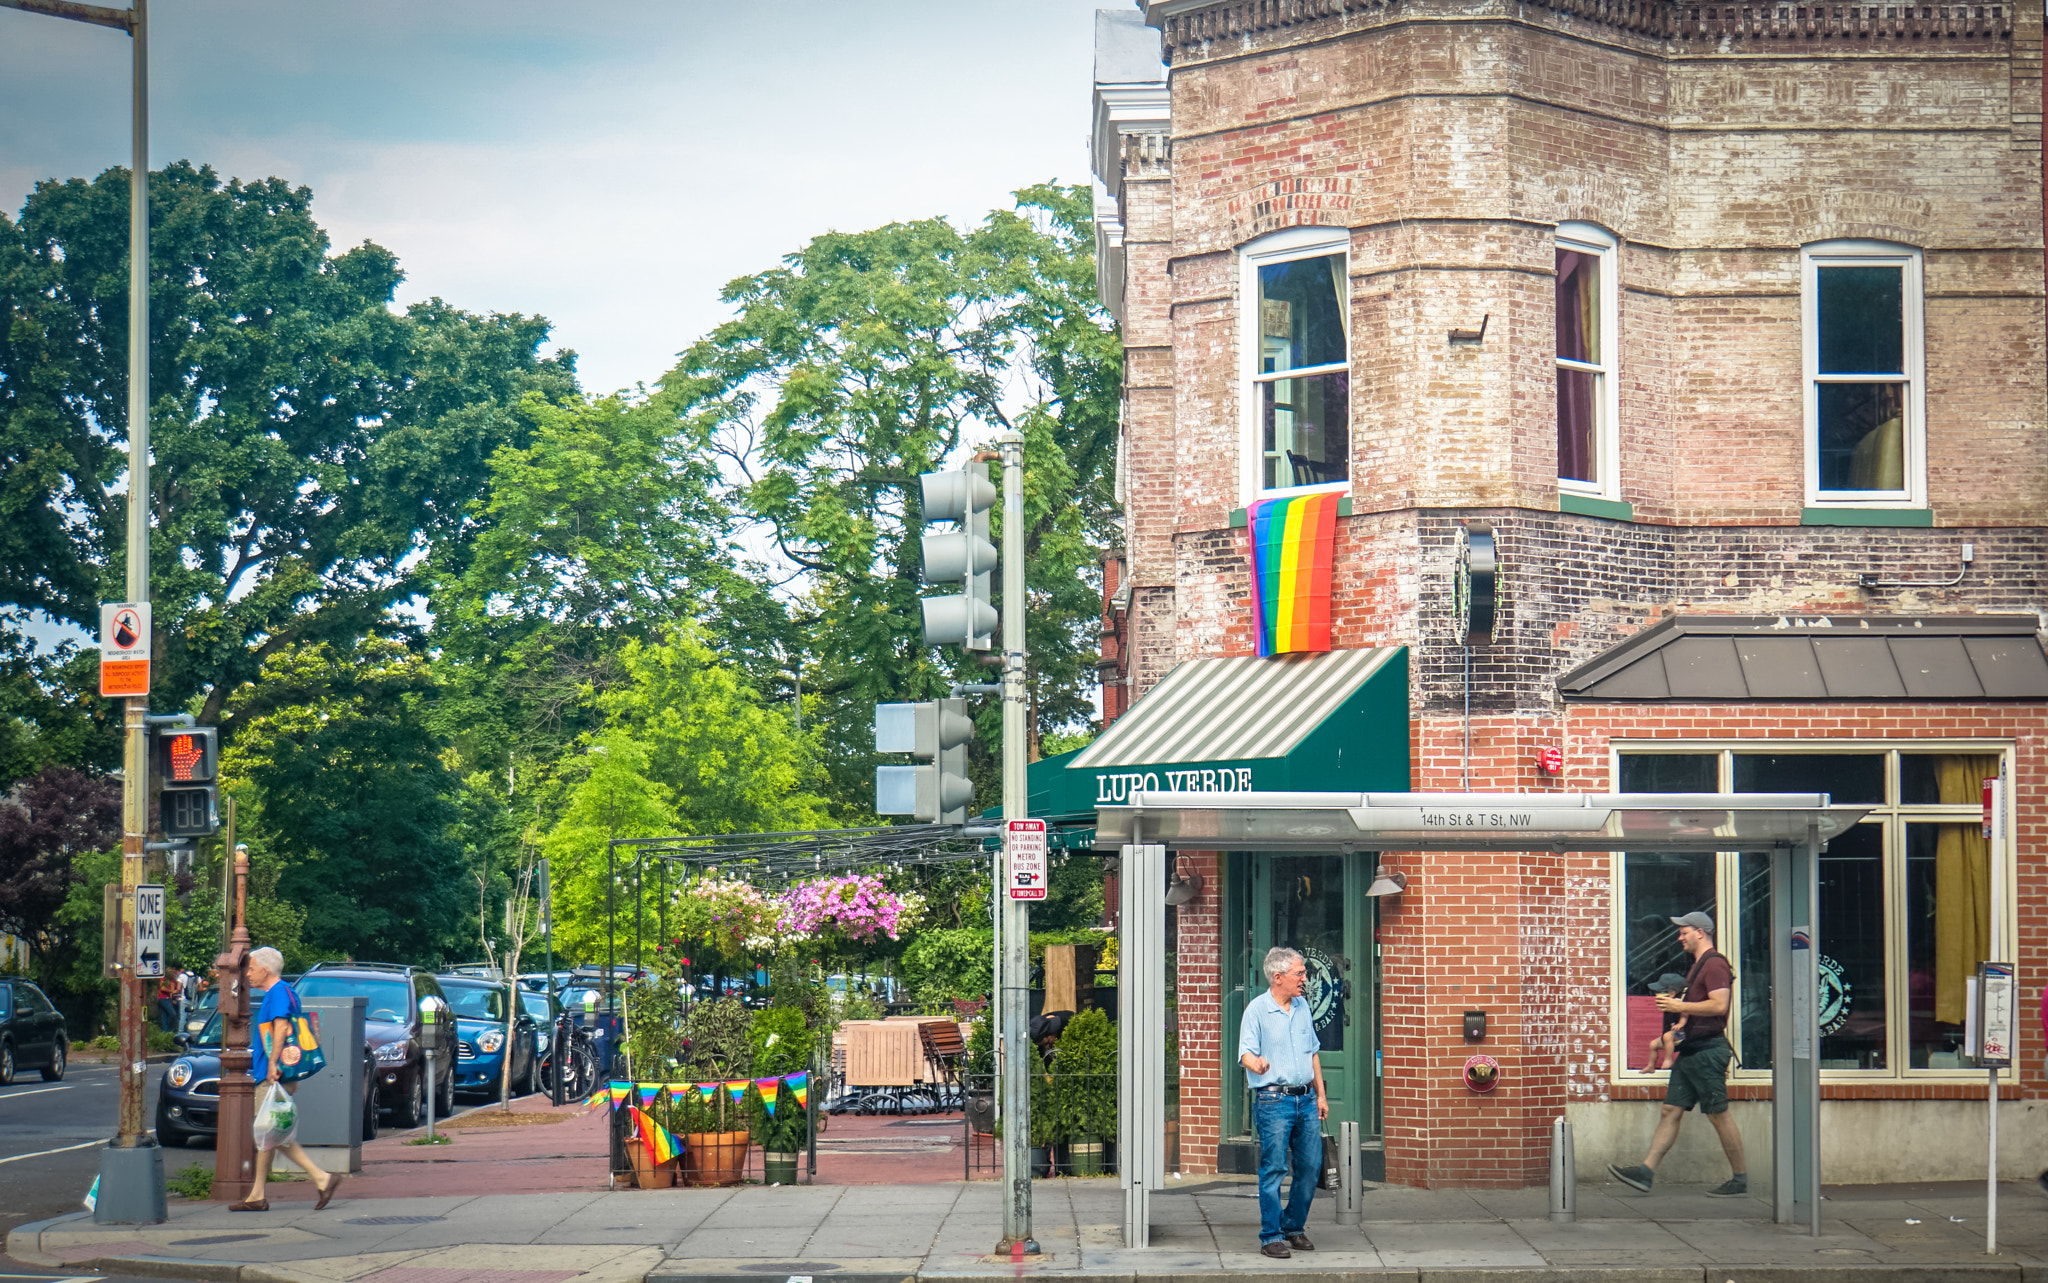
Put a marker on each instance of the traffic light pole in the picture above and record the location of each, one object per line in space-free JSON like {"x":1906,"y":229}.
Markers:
{"x":1015,"y":981}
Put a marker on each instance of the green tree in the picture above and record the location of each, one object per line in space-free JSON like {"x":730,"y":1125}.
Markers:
{"x":315,"y":452}
{"x":868,"y":358}
{"x":336,"y":767}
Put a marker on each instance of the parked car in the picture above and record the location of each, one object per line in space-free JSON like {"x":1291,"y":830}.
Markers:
{"x":392,"y":994}
{"x":31,"y":1032}
{"x":188,"y":1095}
{"x":481,"y":1050}
{"x":534,"y":1002}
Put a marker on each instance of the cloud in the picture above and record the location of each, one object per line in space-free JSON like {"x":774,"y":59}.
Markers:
{"x":610,"y":167}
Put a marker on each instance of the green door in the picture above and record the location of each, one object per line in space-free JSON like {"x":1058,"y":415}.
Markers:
{"x":1317,"y":904}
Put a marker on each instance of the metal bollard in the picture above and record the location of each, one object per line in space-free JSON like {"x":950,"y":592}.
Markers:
{"x":1564,"y":1175}
{"x":1350,"y":1180}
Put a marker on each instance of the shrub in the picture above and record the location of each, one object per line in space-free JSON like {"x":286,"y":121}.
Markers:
{"x":781,"y":1040}
{"x":787,"y":1129}
{"x":194,"y":1182}
{"x":716,"y":1034}
{"x":1084,"y":1074}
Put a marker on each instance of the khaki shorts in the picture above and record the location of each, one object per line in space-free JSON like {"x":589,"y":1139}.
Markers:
{"x":1701,"y":1077}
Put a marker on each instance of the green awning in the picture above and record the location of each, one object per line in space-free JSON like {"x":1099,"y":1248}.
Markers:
{"x":1332,"y":720}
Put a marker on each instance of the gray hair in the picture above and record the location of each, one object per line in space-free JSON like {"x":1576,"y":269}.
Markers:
{"x":1278,"y":960}
{"x":269,"y":959}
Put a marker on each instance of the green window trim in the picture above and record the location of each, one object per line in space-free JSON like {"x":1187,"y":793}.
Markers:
{"x":1588,"y":506}
{"x":1866,"y":516}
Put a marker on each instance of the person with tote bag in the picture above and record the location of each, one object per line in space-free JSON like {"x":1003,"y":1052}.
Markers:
{"x":282,"y":1050}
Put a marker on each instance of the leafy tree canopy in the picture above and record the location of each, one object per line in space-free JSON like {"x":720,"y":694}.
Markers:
{"x":312,"y":449}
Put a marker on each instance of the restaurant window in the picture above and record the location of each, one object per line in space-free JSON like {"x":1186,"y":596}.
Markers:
{"x":1905,"y":902}
{"x":1298,"y":345}
{"x":1865,"y":435}
{"x":1586,"y":322}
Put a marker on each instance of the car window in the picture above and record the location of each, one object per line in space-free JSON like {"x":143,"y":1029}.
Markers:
{"x":385,"y":1000}
{"x":6,"y":1001}
{"x":534,"y":1004}
{"x":430,"y":987}
{"x":33,"y":1002}
{"x":477,"y":1002}
{"x":209,"y":1036}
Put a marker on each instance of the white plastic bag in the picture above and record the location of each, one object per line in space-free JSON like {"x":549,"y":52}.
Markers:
{"x":277,"y":1120}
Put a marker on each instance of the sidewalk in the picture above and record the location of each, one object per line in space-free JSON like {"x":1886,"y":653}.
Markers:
{"x":887,"y":1234}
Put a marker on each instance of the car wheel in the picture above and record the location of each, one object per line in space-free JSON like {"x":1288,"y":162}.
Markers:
{"x":6,"y":1063}
{"x":525,"y":1085}
{"x":447,"y":1105}
{"x":55,"y":1069}
{"x":415,"y":1112}
{"x":370,"y":1115}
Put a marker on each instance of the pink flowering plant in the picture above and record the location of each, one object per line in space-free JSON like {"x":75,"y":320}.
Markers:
{"x":732,"y":916}
{"x":854,"y":908}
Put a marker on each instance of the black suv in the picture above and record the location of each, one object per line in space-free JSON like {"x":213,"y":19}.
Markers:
{"x":392,"y":994}
{"x":31,"y":1032}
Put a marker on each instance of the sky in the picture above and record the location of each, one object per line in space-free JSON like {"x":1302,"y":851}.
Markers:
{"x":609,"y":166}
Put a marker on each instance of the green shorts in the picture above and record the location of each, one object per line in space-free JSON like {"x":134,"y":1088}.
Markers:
{"x":1701,"y":1076}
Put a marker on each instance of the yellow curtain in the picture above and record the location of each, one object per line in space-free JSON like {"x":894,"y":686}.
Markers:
{"x":1962,"y":885}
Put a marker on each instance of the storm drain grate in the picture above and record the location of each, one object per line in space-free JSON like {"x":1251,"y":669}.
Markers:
{"x":396,"y":1220}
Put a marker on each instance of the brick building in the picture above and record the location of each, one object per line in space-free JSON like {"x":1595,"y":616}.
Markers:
{"x":1727,"y":322}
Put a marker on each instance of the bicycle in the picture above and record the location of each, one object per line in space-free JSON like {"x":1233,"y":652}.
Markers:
{"x":580,"y":1062}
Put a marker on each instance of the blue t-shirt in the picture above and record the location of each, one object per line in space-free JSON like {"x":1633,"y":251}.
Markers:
{"x":1285,"y":1037}
{"x":276,"y":1005}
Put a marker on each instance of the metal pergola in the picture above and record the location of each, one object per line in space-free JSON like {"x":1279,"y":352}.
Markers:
{"x":1794,"y":828}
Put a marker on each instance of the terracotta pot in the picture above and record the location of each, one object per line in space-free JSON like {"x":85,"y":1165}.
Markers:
{"x":716,"y":1158}
{"x":647,"y":1173}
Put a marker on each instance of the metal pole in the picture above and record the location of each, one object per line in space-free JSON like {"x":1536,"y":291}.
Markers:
{"x":1016,"y":960}
{"x":234,"y":1158}
{"x":558,"y":1046}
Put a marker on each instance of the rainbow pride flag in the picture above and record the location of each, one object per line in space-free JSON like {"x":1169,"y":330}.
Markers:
{"x":660,"y":1141}
{"x":1293,"y":545}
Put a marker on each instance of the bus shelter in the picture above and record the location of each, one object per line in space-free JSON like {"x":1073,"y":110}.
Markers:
{"x":1794,"y":828}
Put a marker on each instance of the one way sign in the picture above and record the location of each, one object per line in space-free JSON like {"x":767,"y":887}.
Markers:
{"x":149,"y":931}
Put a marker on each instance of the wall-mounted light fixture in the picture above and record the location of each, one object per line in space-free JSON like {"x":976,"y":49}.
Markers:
{"x":1185,"y":888}
{"x":1386,"y":883}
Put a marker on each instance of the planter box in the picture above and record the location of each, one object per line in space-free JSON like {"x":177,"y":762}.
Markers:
{"x":1084,"y":1157}
{"x":715,"y":1159}
{"x":778,"y":1168}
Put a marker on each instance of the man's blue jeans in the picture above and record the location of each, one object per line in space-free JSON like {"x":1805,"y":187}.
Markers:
{"x":1288,"y":1128}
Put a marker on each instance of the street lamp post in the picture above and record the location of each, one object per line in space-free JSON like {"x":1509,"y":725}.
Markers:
{"x":131,"y":1184}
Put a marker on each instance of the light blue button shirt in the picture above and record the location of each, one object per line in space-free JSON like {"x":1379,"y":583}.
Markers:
{"x":1285,"y":1038}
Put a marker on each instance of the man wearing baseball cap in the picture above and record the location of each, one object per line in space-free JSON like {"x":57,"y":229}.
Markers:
{"x":1701,"y":1075}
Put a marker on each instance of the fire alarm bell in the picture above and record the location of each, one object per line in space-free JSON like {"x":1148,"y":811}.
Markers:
{"x":1550,"y":761}
{"x":1475,"y":1026}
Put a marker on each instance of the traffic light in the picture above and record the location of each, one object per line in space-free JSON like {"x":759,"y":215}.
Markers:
{"x":937,"y":731}
{"x":964,"y":556}
{"x":188,"y":762}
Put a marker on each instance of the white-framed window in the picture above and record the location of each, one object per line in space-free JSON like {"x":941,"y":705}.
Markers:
{"x":1588,"y":328}
{"x":1905,"y":901}
{"x":1294,"y":344}
{"x":1866,"y":436}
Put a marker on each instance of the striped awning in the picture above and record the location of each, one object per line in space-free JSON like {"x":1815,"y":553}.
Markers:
{"x":1237,"y":709}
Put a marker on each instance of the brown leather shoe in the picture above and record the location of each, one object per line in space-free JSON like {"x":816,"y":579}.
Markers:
{"x":1300,"y":1243}
{"x":1275,"y":1249}
{"x":260,"y":1205}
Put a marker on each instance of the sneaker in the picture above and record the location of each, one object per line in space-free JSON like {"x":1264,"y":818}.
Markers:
{"x":1733,"y":1187}
{"x":1637,"y":1177}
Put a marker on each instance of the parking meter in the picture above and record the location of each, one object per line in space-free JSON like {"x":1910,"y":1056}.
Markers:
{"x":433,"y":1037}
{"x":590,"y":1008}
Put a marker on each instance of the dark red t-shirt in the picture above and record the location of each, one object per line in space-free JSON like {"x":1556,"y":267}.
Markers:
{"x":1709,"y":972}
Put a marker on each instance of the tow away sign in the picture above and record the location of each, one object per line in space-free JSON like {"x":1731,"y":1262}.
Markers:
{"x":149,"y":931}
{"x":124,"y":648}
{"x":1024,"y":844}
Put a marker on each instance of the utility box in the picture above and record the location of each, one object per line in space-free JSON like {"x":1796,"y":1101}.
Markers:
{"x":330,"y":1103}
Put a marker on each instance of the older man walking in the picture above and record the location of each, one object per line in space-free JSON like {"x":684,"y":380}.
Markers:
{"x":272,"y":1029}
{"x":1278,"y":1047}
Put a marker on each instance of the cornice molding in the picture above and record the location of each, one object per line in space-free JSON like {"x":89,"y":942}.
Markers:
{"x":1190,"y":29}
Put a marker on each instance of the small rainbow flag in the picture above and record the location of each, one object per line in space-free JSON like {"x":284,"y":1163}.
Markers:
{"x":647,"y":1095}
{"x":1293,"y":546}
{"x":771,"y":1088}
{"x":659,"y":1140}
{"x":738,"y":1090}
{"x":709,"y":1091}
{"x":799,"y":1087}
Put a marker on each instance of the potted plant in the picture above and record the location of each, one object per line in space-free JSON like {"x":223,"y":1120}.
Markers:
{"x":716,"y":1034}
{"x":1084,"y":1092}
{"x":781,"y":1134}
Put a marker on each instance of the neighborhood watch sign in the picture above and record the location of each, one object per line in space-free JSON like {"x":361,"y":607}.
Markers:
{"x":1113,"y":787}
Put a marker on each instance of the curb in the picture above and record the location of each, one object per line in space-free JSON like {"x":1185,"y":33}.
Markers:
{"x":1988,"y":1272}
